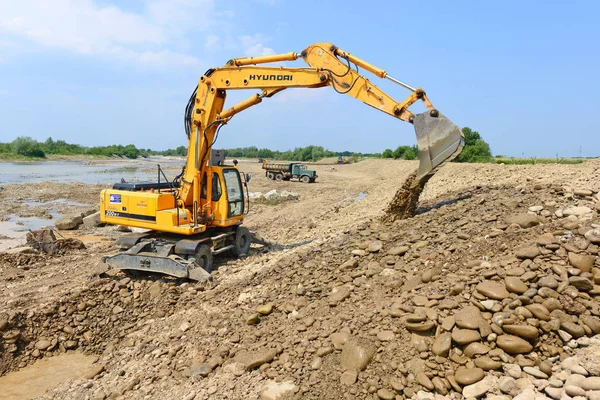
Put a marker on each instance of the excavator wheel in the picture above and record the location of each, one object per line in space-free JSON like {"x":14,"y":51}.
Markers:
{"x":241,"y":241}
{"x":204,"y":258}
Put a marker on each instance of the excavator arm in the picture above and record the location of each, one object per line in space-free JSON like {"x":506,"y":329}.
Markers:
{"x":438,"y":139}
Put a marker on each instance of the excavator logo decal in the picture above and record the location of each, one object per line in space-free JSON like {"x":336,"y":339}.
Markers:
{"x":270,"y":77}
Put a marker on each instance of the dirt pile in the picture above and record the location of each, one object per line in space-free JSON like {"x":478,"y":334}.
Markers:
{"x":489,"y":291}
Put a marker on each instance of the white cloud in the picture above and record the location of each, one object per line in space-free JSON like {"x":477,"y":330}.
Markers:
{"x":254,"y":45}
{"x":84,"y":27}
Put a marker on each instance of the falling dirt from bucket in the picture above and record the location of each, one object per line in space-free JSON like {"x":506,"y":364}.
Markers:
{"x":405,"y":201}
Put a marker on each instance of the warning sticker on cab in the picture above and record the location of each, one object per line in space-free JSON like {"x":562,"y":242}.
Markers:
{"x":115,"y":199}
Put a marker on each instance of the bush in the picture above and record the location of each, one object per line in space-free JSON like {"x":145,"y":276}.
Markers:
{"x":27,"y":147}
{"x":476,"y":149}
{"x":388,"y":153}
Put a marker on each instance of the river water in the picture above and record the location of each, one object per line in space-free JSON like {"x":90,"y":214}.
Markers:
{"x":78,"y":171}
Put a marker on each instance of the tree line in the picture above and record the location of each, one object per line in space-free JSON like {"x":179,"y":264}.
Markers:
{"x":476,"y":150}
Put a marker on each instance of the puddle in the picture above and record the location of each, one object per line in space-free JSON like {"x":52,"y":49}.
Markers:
{"x":46,"y":374}
{"x":360,"y":196}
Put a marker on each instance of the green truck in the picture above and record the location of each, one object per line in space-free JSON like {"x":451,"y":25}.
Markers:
{"x":286,"y":171}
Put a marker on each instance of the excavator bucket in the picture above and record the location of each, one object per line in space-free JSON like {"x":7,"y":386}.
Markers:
{"x":439,"y":140}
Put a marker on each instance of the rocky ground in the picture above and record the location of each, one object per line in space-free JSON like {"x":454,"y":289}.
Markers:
{"x":491,"y":291}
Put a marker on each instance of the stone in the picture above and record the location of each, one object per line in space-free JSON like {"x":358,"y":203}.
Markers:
{"x":512,"y":370}
{"x":581,"y":261}
{"x":465,"y":336}
{"x":577,"y":211}
{"x":573,"y":329}
{"x":155,"y":290}
{"x":581,"y":283}
{"x":357,"y":354}
{"x":253,"y":319}
{"x":94,"y":371}
{"x":441,"y":345}
{"x":592,"y":322}
{"x":509,"y":386}
{"x":535,"y":372}
{"x":339,"y":339}
{"x":548,"y":281}
{"x":591,"y":383}
{"x":468,"y":376}
{"x":257,"y":358}
{"x":573,"y":391}
{"x":475,"y":349}
{"x":478,"y":389}
{"x":523,"y":331}
{"x":375,"y":246}
{"x":21,"y":250}
{"x":398,"y":251}
{"x":43,"y":344}
{"x":553,"y":392}
{"x":582,"y":192}
{"x":420,"y":326}
{"x":424,"y":381}
{"x":469,"y":318}
{"x":92,"y":220}
{"x":277,"y":390}
{"x":385,"y":394}
{"x":524,"y":220}
{"x":513,"y":344}
{"x":265,"y":309}
{"x":527,"y":252}
{"x":349,"y":378}
{"x":439,"y":385}
{"x":69,"y":222}
{"x":593,"y":235}
{"x":493,"y":290}
{"x":539,"y":311}
{"x":487,"y":363}
{"x":339,"y":293}
{"x":515,"y":285}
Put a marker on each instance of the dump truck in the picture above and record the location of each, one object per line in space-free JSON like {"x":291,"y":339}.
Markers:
{"x":200,"y":213}
{"x":287,"y":171}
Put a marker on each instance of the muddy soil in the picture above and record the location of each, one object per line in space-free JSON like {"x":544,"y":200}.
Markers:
{"x":349,"y":306}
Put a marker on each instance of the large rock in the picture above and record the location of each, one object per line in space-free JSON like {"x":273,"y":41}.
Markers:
{"x":441,"y":345}
{"x":513,"y":344}
{"x":69,"y":222}
{"x":576,"y":211}
{"x":357,"y":354}
{"x":256,"y":358}
{"x":277,"y":390}
{"x":92,"y":220}
{"x":493,"y":290}
{"x":583,"y":262}
{"x":524,"y":220}
{"x":21,"y":250}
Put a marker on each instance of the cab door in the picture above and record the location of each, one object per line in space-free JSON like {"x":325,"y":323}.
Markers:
{"x":235,"y":194}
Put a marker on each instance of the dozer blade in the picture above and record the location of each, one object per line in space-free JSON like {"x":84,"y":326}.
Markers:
{"x":439,"y":140}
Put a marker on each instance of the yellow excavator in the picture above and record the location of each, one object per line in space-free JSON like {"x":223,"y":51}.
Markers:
{"x":200,"y":212}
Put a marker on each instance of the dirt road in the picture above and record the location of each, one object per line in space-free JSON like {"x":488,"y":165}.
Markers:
{"x":490,"y":290}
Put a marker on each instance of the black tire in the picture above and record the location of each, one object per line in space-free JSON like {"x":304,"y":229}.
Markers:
{"x":305,"y":178}
{"x":241,"y":241}
{"x":278,"y":177}
{"x":270,"y":175}
{"x":204,"y":258}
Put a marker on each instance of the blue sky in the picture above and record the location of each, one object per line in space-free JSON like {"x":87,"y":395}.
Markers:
{"x":522,"y":73}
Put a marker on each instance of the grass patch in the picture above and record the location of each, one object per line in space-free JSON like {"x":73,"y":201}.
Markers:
{"x":534,"y":160}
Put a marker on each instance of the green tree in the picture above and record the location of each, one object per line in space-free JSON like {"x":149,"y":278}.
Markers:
{"x":28,"y":147}
{"x":388,"y":153}
{"x":476,"y":149}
